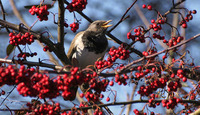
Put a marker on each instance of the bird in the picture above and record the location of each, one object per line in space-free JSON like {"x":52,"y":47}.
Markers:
{"x":90,"y":45}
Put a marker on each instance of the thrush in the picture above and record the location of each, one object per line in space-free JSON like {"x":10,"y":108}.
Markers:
{"x":89,"y":45}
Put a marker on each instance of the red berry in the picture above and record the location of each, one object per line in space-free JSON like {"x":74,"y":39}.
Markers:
{"x":3,"y":92}
{"x":184,"y":25}
{"x":172,"y":75}
{"x":111,"y":83}
{"x":164,"y":57}
{"x":194,"y":11}
{"x":152,"y":21}
{"x":184,"y":79}
{"x":81,"y":95}
{"x":107,"y":99}
{"x":180,"y":71}
{"x":149,"y":7}
{"x":144,"y":6}
{"x":129,"y":35}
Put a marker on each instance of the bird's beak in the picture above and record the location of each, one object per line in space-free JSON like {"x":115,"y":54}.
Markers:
{"x":105,"y":25}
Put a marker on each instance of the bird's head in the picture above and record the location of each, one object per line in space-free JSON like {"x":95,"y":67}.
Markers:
{"x":99,"y":26}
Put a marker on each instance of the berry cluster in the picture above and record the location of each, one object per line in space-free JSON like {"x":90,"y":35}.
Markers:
{"x":121,"y":79}
{"x":19,"y":39}
{"x":97,"y":87}
{"x":41,"y":12}
{"x":74,"y":26}
{"x":98,"y":112}
{"x":173,"y":86}
{"x":43,"y":109}
{"x":47,"y":48}
{"x":104,"y":63}
{"x":149,"y":7}
{"x":114,"y":53}
{"x":137,"y":112}
{"x":38,"y":85}
{"x":156,"y":25}
{"x":188,"y":17}
{"x":26,"y":54}
{"x":10,"y":75}
{"x":153,"y":86}
{"x":180,"y":74}
{"x":152,"y":103}
{"x":174,"y":41}
{"x":83,"y":112}
{"x":137,"y":36}
{"x":82,"y":104}
{"x":77,"y":5}
{"x":150,"y":52}
{"x":91,"y":96}
{"x":68,"y":84}
{"x":171,"y":103}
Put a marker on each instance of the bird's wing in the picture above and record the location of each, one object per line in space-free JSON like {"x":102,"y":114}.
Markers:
{"x":72,"y":47}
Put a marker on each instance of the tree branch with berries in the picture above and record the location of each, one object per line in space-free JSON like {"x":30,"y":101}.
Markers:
{"x":160,"y":77}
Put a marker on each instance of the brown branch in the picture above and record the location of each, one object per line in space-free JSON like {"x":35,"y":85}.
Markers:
{"x":61,"y":12}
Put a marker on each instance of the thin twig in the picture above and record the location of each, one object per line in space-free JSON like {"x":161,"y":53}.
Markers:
{"x":8,"y":95}
{"x":131,"y":98}
{"x":3,"y":13}
{"x":123,"y":17}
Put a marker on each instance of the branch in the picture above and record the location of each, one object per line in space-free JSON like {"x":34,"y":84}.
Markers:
{"x":61,"y":12}
{"x":153,"y":55}
{"x":3,"y":13}
{"x":131,"y":102}
{"x":41,"y":64}
{"x":110,"y":104}
{"x":56,"y":49}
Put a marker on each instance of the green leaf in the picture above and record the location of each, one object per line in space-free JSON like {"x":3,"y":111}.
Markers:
{"x":10,"y":49}
{"x":29,"y":6}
